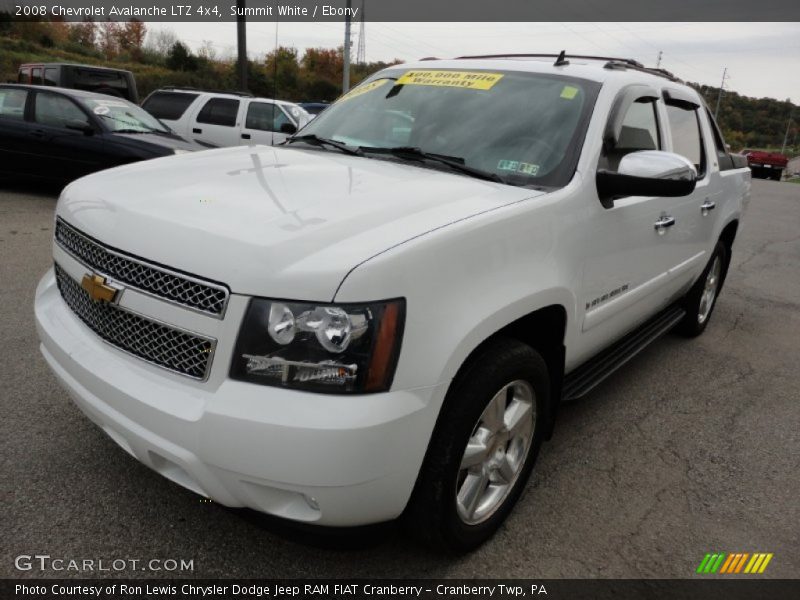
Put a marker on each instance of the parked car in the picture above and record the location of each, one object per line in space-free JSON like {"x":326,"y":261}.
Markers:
{"x":89,"y":78}
{"x":314,"y":108}
{"x":217,"y":119}
{"x":381,"y":317}
{"x":766,"y":165}
{"x":61,"y":134}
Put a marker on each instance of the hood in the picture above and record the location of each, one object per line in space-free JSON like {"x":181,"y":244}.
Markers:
{"x":279,"y":222}
{"x":146,"y":141}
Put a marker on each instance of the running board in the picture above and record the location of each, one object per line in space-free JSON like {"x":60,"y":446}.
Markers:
{"x":580,"y":381}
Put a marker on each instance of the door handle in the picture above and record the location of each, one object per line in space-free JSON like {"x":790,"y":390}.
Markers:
{"x":663,"y":222}
{"x":37,"y":133}
{"x":197,"y":130}
{"x":245,"y":136}
{"x":707,"y":206}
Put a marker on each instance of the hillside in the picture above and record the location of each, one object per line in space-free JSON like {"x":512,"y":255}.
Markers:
{"x":316,"y":75}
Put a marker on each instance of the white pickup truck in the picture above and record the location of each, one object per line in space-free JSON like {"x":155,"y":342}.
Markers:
{"x":380,"y":318}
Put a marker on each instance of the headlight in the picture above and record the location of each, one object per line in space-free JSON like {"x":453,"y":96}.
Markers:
{"x":337,"y":349}
{"x":180,"y":151}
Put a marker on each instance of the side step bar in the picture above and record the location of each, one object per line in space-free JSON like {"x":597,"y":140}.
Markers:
{"x":580,"y":381}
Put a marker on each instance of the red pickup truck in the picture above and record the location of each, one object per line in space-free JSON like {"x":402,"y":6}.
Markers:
{"x":766,"y":165}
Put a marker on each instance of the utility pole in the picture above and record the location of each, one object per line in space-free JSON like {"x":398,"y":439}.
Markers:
{"x":721,"y":87}
{"x":346,"y":52}
{"x":786,"y":135}
{"x":241,"y":43}
{"x":361,"y":53}
{"x":658,"y":62}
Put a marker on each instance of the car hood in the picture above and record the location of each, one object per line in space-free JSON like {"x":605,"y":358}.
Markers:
{"x":169,"y":141}
{"x":281,"y":222}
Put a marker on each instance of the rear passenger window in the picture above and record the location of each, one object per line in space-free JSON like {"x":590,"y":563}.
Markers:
{"x":168,"y":105}
{"x":12,"y":104}
{"x":639,"y":132}
{"x":219,"y":111}
{"x":57,"y":111}
{"x":684,"y":125}
{"x":36,"y":77}
{"x":24,"y":76}
{"x":51,"y":77}
{"x":723,"y":156}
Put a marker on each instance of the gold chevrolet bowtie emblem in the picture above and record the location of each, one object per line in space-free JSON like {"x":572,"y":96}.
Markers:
{"x":98,"y":290}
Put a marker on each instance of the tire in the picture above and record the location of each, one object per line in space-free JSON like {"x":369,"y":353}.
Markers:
{"x":440,"y":513}
{"x":775,"y":175}
{"x":699,"y":303}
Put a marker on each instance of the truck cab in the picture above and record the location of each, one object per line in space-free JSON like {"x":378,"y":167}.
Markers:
{"x":379,"y":318}
{"x":88,"y":78}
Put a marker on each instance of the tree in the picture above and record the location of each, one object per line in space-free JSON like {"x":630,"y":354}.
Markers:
{"x":130,"y":38}
{"x":282,"y":65}
{"x":207,"y":51}
{"x":181,"y":59}
{"x":324,"y":63}
{"x":161,"y":41}
{"x":83,"y":34}
{"x":108,"y":41}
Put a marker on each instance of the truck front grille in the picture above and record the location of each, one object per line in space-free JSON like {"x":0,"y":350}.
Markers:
{"x":168,"y":347}
{"x":204,"y":296}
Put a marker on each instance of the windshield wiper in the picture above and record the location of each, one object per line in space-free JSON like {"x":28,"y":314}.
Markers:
{"x":454,"y":162}
{"x":315,"y":140}
{"x":135,"y":131}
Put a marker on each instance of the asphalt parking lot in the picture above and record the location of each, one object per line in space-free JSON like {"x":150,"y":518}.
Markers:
{"x":694,"y":447}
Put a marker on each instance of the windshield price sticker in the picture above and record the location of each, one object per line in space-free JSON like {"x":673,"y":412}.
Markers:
{"x":462,"y":79}
{"x":363,"y":89}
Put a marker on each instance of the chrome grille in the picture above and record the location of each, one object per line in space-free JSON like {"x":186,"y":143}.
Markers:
{"x":175,"y":349}
{"x":204,"y":296}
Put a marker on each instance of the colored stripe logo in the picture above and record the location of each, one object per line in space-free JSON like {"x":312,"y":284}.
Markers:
{"x":734,"y":563}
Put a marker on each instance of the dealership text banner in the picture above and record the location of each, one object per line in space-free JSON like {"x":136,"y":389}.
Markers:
{"x":404,"y":10}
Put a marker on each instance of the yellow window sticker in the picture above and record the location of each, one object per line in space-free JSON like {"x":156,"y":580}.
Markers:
{"x":569,"y":92}
{"x":363,"y":89}
{"x":463,"y":79}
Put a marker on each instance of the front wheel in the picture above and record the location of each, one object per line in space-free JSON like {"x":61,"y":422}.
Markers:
{"x":483,"y":449}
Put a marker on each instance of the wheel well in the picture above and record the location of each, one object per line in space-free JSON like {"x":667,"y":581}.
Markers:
{"x":726,"y":237}
{"x":729,"y":234}
{"x":543,"y":330}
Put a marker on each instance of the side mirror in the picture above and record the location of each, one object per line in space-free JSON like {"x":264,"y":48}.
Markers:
{"x":82,"y":126}
{"x":289,"y":128}
{"x":647,"y":173}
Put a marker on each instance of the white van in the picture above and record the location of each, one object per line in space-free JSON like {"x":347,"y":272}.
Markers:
{"x":225,"y":118}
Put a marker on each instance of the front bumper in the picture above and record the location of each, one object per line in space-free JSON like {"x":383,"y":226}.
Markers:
{"x":330,"y":460}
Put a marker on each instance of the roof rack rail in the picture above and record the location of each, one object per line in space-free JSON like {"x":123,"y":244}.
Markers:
{"x":615,"y":64}
{"x":611,"y":62}
{"x":562,"y":55}
{"x":181,"y":88}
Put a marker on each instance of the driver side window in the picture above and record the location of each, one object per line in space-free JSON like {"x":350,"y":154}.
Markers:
{"x":639,"y":131}
{"x":57,"y":111}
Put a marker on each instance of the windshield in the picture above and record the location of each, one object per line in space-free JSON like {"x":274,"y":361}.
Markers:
{"x":120,"y":115}
{"x":527,"y":128}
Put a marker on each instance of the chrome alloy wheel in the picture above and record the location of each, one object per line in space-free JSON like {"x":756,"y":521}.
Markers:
{"x":710,"y":290}
{"x":496,"y":452}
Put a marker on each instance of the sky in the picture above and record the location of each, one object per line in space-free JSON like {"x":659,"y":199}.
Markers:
{"x":762,"y":59}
